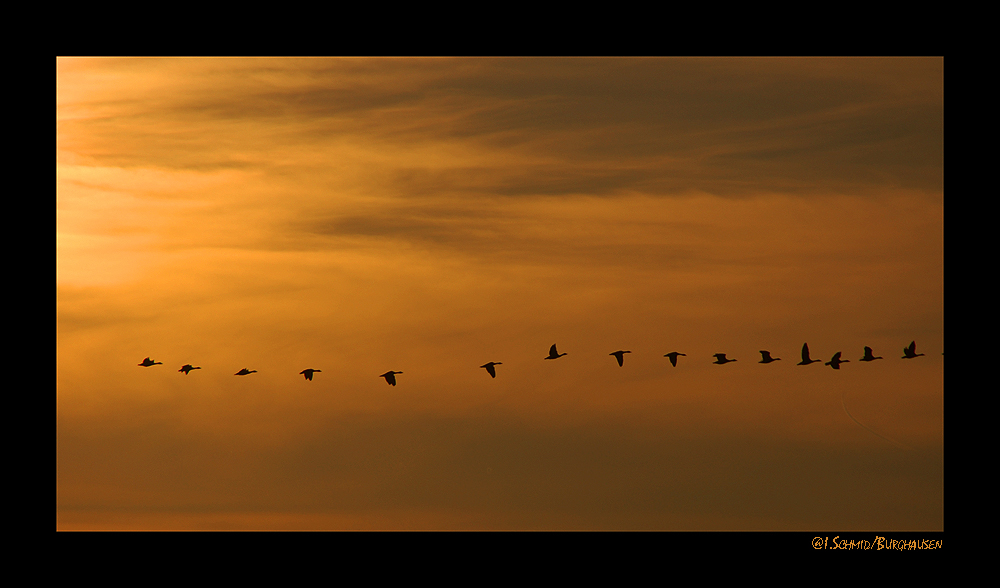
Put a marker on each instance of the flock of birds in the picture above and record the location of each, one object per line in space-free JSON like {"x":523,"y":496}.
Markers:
{"x":909,"y":352}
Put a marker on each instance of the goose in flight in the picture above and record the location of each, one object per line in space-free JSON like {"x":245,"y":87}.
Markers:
{"x":309,"y":373}
{"x":835,"y":361}
{"x":909,"y":352}
{"x":390,"y":377}
{"x":187,"y":368}
{"x":805,"y":356}
{"x":720,"y":358}
{"x":673,"y":357}
{"x":148,"y":362}
{"x":492,"y":370}
{"x":553,"y":354}
{"x":620,"y":356}
{"x":245,"y":372}
{"x":869,"y":356}
{"x":765,"y":357}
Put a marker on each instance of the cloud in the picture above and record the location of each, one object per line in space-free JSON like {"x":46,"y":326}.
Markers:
{"x":500,"y":471}
{"x":723,"y":126}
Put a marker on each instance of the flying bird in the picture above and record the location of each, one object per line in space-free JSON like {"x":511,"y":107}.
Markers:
{"x":869,"y":356}
{"x":553,"y":354}
{"x":187,"y":368}
{"x":673,"y":357}
{"x":620,"y":356}
{"x":765,"y":357}
{"x":492,"y":370}
{"x":908,"y":352}
{"x":245,"y":372}
{"x":835,"y":361}
{"x":805,"y":356}
{"x":390,"y":377}
{"x":148,"y":362}
{"x":309,"y":373}
{"x":720,"y":358}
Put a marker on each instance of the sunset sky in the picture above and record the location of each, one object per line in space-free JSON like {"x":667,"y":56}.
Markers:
{"x":430,"y":215}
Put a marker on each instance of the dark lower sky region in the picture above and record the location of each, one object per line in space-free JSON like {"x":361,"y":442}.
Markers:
{"x":357,"y":216}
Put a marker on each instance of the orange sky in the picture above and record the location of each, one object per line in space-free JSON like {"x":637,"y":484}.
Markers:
{"x":431,"y":215}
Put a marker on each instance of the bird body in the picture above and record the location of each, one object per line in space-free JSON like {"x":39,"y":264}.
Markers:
{"x":245,"y":372}
{"x":805,"y":356}
{"x":869,"y":356}
{"x":765,"y":357}
{"x":148,"y":362}
{"x":553,"y":354}
{"x":835,"y":361}
{"x":620,"y":356}
{"x":492,"y":370}
{"x":720,"y":358}
{"x":187,"y":368}
{"x":673,"y":357}
{"x":910,"y":351}
{"x":390,"y":377}
{"x":309,"y":373}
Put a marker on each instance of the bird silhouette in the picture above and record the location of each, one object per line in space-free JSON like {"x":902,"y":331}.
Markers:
{"x":908,"y":352}
{"x":553,"y":354}
{"x":309,"y":373}
{"x":187,"y":368}
{"x":835,"y":361}
{"x":805,"y":356}
{"x":720,"y":358}
{"x":148,"y":362}
{"x":673,"y":357}
{"x":869,"y":356}
{"x":492,"y":370}
{"x":245,"y":372}
{"x":390,"y":377}
{"x":620,"y":356}
{"x":765,"y":357}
